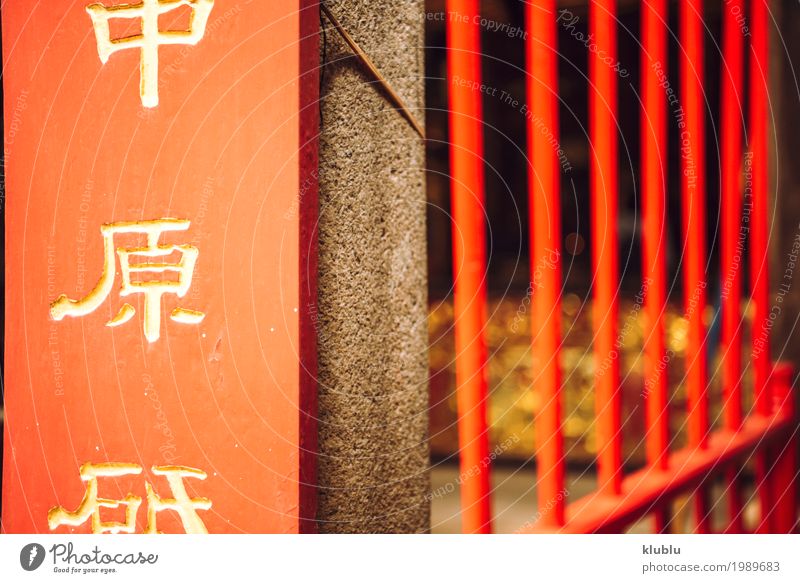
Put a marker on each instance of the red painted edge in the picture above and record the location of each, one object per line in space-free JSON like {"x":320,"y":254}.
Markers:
{"x":308,"y":208}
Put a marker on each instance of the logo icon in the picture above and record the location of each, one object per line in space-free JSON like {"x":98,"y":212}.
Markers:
{"x":31,"y":556}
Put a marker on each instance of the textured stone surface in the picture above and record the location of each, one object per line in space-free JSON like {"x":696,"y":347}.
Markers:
{"x":372,"y":327}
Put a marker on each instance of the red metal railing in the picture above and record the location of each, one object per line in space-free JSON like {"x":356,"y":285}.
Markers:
{"x":693,"y":192}
{"x":768,"y":433}
{"x":545,"y":238}
{"x":654,"y":192}
{"x":469,"y":255}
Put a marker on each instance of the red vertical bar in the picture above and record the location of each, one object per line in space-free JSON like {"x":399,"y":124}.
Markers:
{"x":759,"y":237}
{"x":603,"y":135}
{"x":654,"y":188}
{"x":693,"y":202}
{"x":732,"y":102}
{"x":469,"y":240}
{"x":545,"y":205}
{"x":759,"y":97}
{"x":731,"y":248}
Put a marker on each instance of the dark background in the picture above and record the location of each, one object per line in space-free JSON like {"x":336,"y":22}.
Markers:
{"x":505,"y":148}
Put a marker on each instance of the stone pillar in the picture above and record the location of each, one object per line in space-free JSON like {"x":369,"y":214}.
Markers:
{"x":372,"y":282}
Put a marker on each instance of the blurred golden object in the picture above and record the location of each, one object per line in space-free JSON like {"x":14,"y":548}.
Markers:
{"x":513,"y":404}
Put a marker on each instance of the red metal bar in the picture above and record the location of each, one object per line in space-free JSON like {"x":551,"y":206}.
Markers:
{"x":759,"y":238}
{"x":545,"y":210}
{"x":759,"y":235}
{"x":732,"y":102}
{"x":469,"y":253}
{"x":605,"y":255}
{"x":693,"y":193}
{"x":654,"y":190}
{"x":731,"y":247}
{"x":645,"y":488}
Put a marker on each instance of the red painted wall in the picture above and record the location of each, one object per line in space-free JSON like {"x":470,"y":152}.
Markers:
{"x":231,"y":147}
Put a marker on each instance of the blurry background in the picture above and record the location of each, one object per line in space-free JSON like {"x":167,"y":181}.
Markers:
{"x":513,"y":405}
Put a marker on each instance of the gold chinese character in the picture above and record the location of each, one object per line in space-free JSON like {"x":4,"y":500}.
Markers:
{"x":156,"y":261}
{"x":151,"y":37}
{"x":181,"y":503}
{"x":91,"y":504}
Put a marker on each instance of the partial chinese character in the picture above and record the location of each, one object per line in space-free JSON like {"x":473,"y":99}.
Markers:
{"x":181,"y":503}
{"x":151,"y":37}
{"x":91,"y":504}
{"x":167,"y":276}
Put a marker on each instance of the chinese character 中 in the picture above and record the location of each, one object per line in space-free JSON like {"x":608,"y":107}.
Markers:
{"x":151,"y":36}
{"x":91,"y":503}
{"x":154,"y":259}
